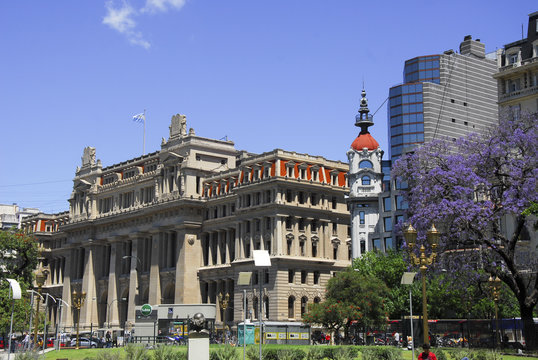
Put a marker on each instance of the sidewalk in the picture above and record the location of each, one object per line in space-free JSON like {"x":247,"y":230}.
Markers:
{"x":4,"y":354}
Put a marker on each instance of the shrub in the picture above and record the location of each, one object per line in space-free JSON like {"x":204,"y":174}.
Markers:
{"x":164,"y":352}
{"x":315,"y":353}
{"x":28,"y":355}
{"x":346,"y":353}
{"x":440,"y":354}
{"x":291,"y":354}
{"x":108,"y":355}
{"x":224,"y":353}
{"x":382,"y":353}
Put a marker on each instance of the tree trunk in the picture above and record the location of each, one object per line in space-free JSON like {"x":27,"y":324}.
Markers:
{"x":530,"y":330}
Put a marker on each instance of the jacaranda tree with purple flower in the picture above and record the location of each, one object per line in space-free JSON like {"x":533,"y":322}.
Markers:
{"x":478,"y":191}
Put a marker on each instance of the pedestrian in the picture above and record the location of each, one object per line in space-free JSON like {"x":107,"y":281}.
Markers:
{"x":426,"y":354}
{"x":108,"y":339}
{"x":26,"y":341}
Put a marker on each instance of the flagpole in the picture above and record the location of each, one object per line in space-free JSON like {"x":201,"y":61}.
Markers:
{"x":144,"y":141}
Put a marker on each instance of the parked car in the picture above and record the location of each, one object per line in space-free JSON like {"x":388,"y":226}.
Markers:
{"x":83,"y":342}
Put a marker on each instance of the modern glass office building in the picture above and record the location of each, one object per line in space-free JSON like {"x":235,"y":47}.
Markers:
{"x":445,"y":95}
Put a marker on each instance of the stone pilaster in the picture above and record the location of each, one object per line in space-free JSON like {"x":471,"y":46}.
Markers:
{"x":88,"y":312}
{"x":154,"y":272}
{"x":67,"y":314}
{"x":112,"y":292}
{"x":133,"y":281}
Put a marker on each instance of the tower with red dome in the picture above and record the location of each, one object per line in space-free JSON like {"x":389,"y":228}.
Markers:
{"x":365,"y":183}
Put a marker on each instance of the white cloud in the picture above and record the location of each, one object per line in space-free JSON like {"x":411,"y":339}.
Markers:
{"x":154,"y":6}
{"x":121,"y":17}
{"x":121,"y":20}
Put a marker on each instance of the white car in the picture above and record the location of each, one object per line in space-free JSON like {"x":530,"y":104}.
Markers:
{"x":83,"y":342}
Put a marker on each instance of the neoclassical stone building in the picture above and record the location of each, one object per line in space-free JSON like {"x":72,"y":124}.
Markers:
{"x":178,"y":225}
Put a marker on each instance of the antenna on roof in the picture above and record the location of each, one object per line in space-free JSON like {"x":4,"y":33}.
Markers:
{"x":522,"y":32}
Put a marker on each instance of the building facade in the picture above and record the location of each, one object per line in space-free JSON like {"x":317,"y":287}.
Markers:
{"x":446,"y":95}
{"x":178,"y":225}
{"x":366,"y":182}
{"x":517,"y":77}
{"x":12,"y":215}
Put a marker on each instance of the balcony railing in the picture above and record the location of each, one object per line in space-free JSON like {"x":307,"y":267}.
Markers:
{"x":519,"y":93}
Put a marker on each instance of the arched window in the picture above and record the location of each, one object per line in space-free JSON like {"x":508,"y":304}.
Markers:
{"x":365,"y":180}
{"x":304,"y":301}
{"x":317,"y":300}
{"x":366,"y":164}
{"x":291,"y":307}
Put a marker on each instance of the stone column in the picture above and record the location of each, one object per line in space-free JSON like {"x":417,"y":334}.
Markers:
{"x":67,"y":313}
{"x":189,"y":260}
{"x":238,"y":246}
{"x":228,"y":245}
{"x":112,"y":293}
{"x":88,"y":312}
{"x":327,"y":245}
{"x":133,"y":280}
{"x":278,"y":235}
{"x":180,"y":267}
{"x":219,"y":247}
{"x":154,"y":271}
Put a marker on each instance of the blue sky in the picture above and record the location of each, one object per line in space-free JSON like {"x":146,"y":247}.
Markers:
{"x":266,"y":74}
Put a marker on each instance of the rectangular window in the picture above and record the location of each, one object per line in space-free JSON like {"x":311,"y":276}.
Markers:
{"x":333,"y":202}
{"x":314,"y":226}
{"x":314,"y":199}
{"x":304,"y":276}
{"x":388,"y":243}
{"x":290,"y":172}
{"x":377,"y":244}
{"x":316,"y":277}
{"x":335,"y":229}
{"x":401,"y":204}
{"x":291,"y":276}
{"x":301,"y":197}
{"x":387,"y":222}
{"x":301,"y":224}
{"x":512,"y":59}
{"x":362,"y":220}
{"x":386,"y":204}
{"x":288,"y":223}
{"x":288,"y":196}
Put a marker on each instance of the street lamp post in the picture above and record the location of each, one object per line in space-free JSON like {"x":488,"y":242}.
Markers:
{"x":40,"y":278}
{"x":47,"y":295}
{"x":424,"y":261}
{"x":59,"y":322}
{"x":78,"y":301}
{"x":109,"y":305}
{"x":495,"y":285}
{"x":223,"y":303}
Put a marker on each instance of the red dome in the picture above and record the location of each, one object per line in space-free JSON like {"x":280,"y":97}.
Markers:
{"x":364,"y":141}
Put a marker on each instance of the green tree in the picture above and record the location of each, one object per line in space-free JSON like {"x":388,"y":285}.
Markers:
{"x":389,"y":268}
{"x":18,"y":259}
{"x":351,"y":297}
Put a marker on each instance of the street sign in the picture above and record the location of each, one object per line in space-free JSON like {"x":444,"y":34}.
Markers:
{"x":146,"y":309}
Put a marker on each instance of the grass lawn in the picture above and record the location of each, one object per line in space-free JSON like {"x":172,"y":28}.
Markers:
{"x":73,"y":354}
